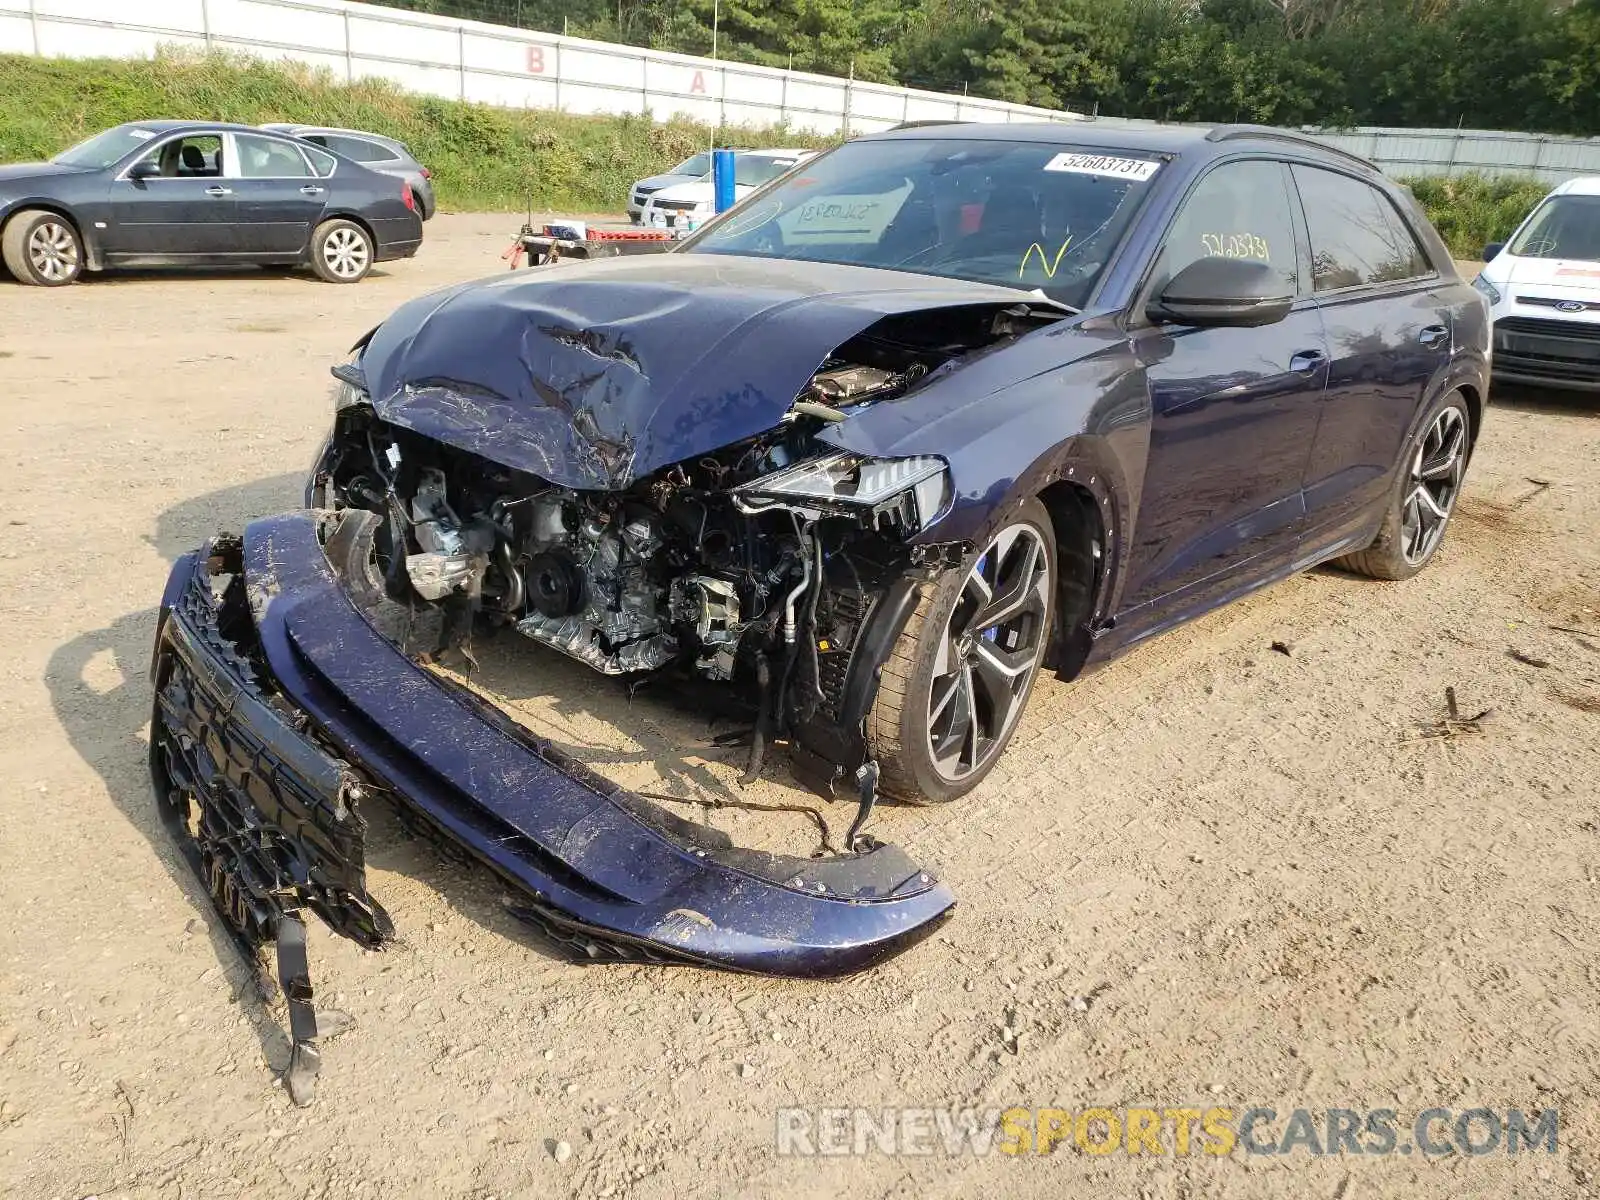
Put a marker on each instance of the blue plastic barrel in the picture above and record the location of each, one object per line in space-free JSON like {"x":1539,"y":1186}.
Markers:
{"x":722,"y":179}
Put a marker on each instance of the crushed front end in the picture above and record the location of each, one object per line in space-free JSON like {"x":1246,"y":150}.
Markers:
{"x":281,"y":709}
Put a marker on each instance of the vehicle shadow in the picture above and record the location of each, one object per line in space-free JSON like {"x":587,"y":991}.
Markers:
{"x":108,"y":729}
{"x":128,"y":276}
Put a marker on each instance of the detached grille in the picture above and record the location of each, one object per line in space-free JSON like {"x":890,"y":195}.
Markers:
{"x":1548,"y":348}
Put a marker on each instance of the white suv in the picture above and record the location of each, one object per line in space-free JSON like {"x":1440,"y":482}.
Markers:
{"x":685,"y":205}
{"x":1543,"y":288}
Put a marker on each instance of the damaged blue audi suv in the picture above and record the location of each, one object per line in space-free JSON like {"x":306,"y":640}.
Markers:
{"x":935,"y":412}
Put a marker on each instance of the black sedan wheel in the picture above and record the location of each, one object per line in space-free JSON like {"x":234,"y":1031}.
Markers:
{"x":341,"y":252}
{"x":1424,"y":497}
{"x":957,"y":681}
{"x":42,"y":248}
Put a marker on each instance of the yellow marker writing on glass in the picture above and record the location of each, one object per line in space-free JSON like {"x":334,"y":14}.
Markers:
{"x":1047,"y":265}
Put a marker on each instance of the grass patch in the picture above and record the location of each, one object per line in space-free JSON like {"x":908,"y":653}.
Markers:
{"x":1470,"y":211}
{"x":482,"y":157}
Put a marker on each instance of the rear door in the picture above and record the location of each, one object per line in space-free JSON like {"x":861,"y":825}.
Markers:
{"x":280,"y":197}
{"x":1233,"y":410}
{"x":1388,"y":317}
{"x":185,"y":210}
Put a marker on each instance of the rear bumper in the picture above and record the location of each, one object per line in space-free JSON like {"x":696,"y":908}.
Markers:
{"x":280,"y":710}
{"x":397,"y":237}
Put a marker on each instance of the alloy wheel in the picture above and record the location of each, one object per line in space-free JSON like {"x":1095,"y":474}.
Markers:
{"x":1434,"y":484}
{"x":53,"y":251}
{"x":989,"y":652}
{"x":345,"y":252}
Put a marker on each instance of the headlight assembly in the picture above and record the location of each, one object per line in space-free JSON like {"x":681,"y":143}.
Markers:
{"x":909,"y":492}
{"x":1487,"y":288}
{"x":349,"y":386}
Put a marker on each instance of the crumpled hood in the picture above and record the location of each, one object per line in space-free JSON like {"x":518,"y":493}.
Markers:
{"x":593,"y":375}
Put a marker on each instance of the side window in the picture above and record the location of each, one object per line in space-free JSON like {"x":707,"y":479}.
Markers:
{"x":198,"y":156}
{"x":1357,"y":237}
{"x":1239,"y":210}
{"x":359,"y":149}
{"x":268,"y":158}
{"x":322,"y":162}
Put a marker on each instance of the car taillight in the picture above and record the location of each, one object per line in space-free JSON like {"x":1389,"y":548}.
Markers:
{"x":427,"y":174}
{"x":407,"y":196}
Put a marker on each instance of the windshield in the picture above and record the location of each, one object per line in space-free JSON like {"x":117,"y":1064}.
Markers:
{"x":1026,"y":214}
{"x":103,"y":149}
{"x":751,"y":171}
{"x":696,"y":165}
{"x":1563,"y":227}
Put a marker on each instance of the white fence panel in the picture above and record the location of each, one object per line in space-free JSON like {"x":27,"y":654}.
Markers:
{"x":522,"y":68}
{"x":489,"y":63}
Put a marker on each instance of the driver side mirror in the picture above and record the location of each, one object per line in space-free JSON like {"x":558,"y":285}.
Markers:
{"x":1238,"y":292}
{"x":144,"y":169}
{"x":1492,"y":251}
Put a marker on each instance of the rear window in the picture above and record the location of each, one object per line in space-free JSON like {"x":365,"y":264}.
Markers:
{"x":1562,"y":227}
{"x":750,"y":171}
{"x":361,"y":150}
{"x":696,"y":165}
{"x":1031,"y":215}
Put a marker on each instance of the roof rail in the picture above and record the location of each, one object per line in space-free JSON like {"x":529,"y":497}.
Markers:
{"x":922,"y":124}
{"x":1224,"y":133}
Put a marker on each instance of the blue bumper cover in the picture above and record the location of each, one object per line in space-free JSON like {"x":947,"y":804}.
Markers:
{"x":279,"y":709}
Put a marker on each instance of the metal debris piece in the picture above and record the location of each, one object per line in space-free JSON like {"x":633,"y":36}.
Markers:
{"x":1527,"y":659}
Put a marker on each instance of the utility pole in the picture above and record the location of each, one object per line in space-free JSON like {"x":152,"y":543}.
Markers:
{"x":716,"y":20}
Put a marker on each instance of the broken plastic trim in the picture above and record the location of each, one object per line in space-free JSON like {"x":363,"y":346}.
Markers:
{"x":278,"y":706}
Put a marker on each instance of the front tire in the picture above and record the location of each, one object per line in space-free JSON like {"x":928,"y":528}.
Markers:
{"x":42,"y":248}
{"x":341,"y":252}
{"x":958,"y":679}
{"x":1424,"y":496}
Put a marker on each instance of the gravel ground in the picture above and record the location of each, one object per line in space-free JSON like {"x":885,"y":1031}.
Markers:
{"x":1211,"y":874}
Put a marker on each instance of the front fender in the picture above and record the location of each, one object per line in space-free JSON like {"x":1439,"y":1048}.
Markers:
{"x":1084,"y":422}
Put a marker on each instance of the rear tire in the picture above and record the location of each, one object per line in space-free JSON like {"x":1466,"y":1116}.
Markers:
{"x":1427,"y":486}
{"x":42,"y":249}
{"x":957,"y":681}
{"x":341,"y":252}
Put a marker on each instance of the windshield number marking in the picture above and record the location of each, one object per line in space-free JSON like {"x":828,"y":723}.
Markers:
{"x":1139,"y":169}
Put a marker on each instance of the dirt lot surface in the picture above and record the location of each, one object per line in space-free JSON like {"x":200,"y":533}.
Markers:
{"x":1213,"y":874}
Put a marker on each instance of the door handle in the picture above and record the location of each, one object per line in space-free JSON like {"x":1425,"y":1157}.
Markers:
{"x":1433,"y":335}
{"x":219,"y":191}
{"x":1307,"y":362}
{"x":311,"y":190}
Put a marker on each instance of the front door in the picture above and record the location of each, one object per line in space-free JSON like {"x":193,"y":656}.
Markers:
{"x":1233,"y":410}
{"x":1389,"y":326}
{"x":186,"y":209}
{"x":280,"y":199}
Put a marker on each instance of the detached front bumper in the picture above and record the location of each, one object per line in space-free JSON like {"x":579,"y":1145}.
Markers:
{"x":279,"y":709}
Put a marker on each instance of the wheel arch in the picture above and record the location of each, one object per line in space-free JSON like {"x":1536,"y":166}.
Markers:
{"x":1473,"y":395}
{"x":91,"y":244}
{"x":1078,"y":518}
{"x":342,"y":214}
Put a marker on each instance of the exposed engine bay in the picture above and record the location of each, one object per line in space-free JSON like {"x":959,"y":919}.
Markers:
{"x":756,"y":565}
{"x":712,"y":566}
